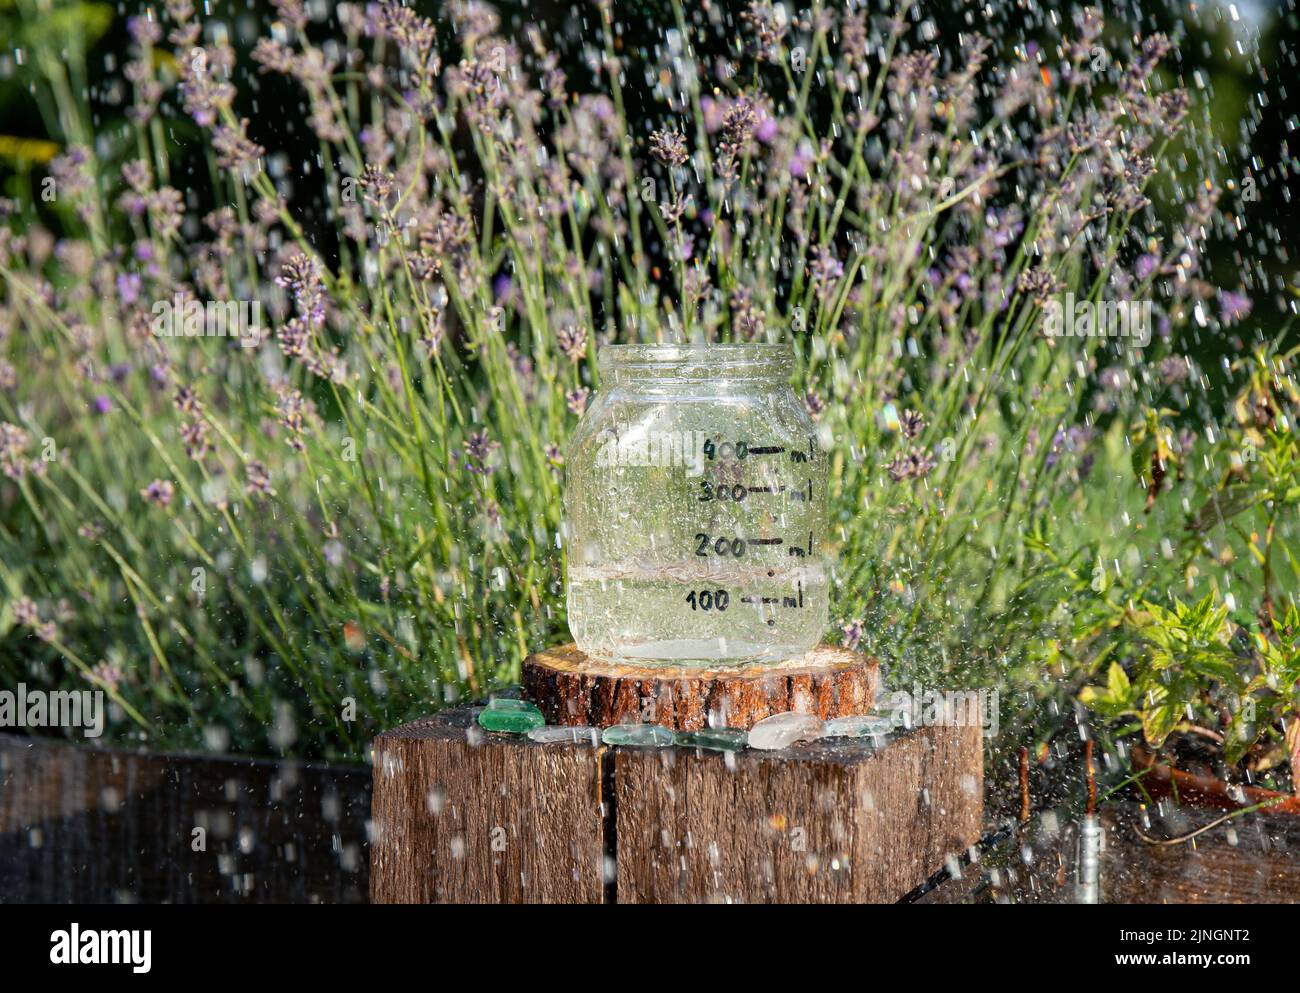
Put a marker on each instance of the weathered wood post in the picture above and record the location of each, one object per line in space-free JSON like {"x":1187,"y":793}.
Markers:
{"x":464,"y":815}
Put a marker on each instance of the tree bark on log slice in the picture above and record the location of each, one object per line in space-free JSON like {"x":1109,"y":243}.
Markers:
{"x":572,"y":688}
{"x":469,"y":816}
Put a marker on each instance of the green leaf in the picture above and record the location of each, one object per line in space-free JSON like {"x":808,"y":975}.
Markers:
{"x":86,"y":22}
{"x":1158,"y":722}
{"x":1117,"y":683}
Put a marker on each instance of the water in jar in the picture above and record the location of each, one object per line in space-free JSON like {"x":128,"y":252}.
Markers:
{"x":695,"y":518}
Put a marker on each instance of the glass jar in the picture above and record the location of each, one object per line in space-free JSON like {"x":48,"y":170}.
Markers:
{"x":695,"y":509}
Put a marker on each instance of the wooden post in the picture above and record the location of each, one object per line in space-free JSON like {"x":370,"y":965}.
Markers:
{"x":463,"y":815}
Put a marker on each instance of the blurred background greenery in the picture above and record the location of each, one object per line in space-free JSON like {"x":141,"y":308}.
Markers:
{"x":1240,"y":58}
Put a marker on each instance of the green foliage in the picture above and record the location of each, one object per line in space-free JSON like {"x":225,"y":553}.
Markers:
{"x":291,"y":546}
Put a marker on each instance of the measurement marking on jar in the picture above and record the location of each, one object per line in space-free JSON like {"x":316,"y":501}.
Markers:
{"x":722,"y":492}
{"x":708,"y":599}
{"x":796,"y":552}
{"x":741,"y":449}
{"x":726,"y":449}
{"x":735,"y":547}
{"x":737,"y":493}
{"x":805,"y":456}
{"x":794,"y":601}
{"x":721,"y":546}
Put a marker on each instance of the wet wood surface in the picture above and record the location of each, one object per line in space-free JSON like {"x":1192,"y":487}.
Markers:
{"x":1150,"y":855}
{"x":571,"y":688}
{"x":834,"y":821}
{"x":84,"y":825}
{"x":465,"y":815}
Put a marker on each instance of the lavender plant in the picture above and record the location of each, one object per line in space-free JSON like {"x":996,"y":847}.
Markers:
{"x":350,"y":515}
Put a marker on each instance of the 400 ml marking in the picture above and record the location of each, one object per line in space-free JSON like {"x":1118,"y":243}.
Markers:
{"x":743,"y":449}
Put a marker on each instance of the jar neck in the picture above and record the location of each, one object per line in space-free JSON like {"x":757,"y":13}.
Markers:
{"x":702,"y":368}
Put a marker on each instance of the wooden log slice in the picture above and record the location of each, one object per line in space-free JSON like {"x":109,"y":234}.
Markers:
{"x":571,"y":688}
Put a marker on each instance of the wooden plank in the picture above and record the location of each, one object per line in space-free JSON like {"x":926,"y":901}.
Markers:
{"x":1253,"y":858}
{"x":90,"y":825}
{"x":466,"y":816}
{"x":1249,"y":859}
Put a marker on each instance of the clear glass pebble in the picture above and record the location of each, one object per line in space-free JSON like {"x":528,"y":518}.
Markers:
{"x":783,"y":730}
{"x":866,"y":725}
{"x":553,"y":733}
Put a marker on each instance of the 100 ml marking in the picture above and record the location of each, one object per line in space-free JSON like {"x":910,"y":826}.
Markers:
{"x":721,"y":599}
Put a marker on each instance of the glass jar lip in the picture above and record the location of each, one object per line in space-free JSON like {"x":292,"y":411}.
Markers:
{"x":696,"y":360}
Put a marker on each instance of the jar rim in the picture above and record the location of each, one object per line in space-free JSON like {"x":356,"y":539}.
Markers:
{"x":675,"y":359}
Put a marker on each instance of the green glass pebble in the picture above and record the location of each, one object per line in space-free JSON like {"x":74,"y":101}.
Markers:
{"x":717,"y":739}
{"x":642,"y":735}
{"x":510,"y":721}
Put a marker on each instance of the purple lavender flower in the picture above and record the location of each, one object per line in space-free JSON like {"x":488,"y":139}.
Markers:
{"x":768,"y":27}
{"x":13,"y":446}
{"x":1234,"y":307}
{"x":801,"y":161}
{"x":25,"y":612}
{"x":826,"y":270}
{"x":577,"y":399}
{"x":915,"y":463}
{"x":233,"y":147}
{"x":912,"y":424}
{"x":144,"y":30}
{"x":301,"y":275}
{"x":128,"y":288}
{"x":166,"y":210}
{"x":572,"y":340}
{"x":478,"y":449}
{"x":106,"y":674}
{"x":669,"y":147}
{"x":159,"y":493}
{"x":853,"y":631}
{"x":1174,"y":369}
{"x":257,"y":479}
{"x":1040,"y":284}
